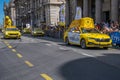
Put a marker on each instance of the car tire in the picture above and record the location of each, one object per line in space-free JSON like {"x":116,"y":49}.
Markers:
{"x":83,"y":44}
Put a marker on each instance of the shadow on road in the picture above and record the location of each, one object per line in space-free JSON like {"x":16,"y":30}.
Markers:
{"x":92,"y":68}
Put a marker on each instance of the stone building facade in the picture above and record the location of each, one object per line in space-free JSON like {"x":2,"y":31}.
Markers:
{"x":37,"y":12}
{"x":100,"y":10}
{"x":9,"y":10}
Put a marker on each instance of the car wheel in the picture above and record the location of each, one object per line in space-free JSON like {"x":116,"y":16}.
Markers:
{"x":83,"y":44}
{"x":67,"y":41}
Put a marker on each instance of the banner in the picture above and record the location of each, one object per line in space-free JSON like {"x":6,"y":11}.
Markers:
{"x":78,"y":13}
{"x":62,"y":13}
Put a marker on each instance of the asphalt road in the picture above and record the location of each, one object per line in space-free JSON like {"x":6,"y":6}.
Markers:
{"x":44,"y":58}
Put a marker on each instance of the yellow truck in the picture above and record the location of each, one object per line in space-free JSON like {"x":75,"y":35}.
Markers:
{"x":10,"y":31}
{"x":82,"y":32}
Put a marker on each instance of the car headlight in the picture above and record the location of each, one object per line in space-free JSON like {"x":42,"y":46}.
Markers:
{"x":20,"y":34}
{"x":6,"y":33}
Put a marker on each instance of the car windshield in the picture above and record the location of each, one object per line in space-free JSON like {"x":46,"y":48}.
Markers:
{"x":37,"y":29}
{"x":11,"y":29}
{"x":90,"y":31}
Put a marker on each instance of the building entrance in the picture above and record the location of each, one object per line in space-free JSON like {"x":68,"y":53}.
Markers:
{"x":106,"y":16}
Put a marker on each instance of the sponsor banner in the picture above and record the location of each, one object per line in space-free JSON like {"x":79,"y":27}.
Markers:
{"x":78,"y":13}
{"x":62,"y":13}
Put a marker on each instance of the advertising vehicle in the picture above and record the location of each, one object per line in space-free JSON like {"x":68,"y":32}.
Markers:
{"x":10,"y":31}
{"x":82,"y":32}
{"x":37,"y":32}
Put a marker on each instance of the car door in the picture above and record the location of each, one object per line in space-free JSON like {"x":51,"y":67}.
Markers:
{"x":74,"y":36}
{"x":77,"y":37}
{"x":71,"y":35}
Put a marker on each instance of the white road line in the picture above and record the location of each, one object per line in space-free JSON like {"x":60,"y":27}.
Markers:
{"x":75,"y":50}
{"x":53,"y":43}
{"x":63,"y":48}
{"x":85,"y":54}
{"x":48,"y":45}
{"x":46,"y":77}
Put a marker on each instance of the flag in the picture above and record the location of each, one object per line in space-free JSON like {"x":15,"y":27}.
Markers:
{"x":78,"y":13}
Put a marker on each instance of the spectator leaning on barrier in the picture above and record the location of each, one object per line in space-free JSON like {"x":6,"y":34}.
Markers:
{"x":114,"y":26}
{"x":106,"y":28}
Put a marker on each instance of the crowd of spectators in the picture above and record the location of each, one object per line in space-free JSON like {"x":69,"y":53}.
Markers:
{"x":108,"y":27}
{"x":103,"y":27}
{"x":54,"y":31}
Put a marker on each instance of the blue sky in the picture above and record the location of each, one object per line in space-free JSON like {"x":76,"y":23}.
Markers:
{"x":1,"y":10}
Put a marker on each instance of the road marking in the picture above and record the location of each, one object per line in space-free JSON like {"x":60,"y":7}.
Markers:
{"x":19,"y":55}
{"x":46,"y":77}
{"x":29,"y":64}
{"x":111,"y":49}
{"x":63,"y":48}
{"x":48,"y":44}
{"x":85,"y":54}
{"x":9,"y":46}
{"x":14,"y":50}
{"x":53,"y":43}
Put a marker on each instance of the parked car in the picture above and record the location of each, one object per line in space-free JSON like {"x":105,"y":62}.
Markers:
{"x":37,"y":32}
{"x":26,"y":31}
{"x":11,"y":33}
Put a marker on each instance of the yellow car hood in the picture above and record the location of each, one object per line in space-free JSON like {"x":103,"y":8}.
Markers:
{"x":12,"y":32}
{"x":96,"y":35}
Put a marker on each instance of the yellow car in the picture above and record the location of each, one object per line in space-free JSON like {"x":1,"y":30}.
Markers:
{"x":37,"y":32}
{"x":26,"y":31}
{"x":87,"y":38}
{"x":82,"y":32}
{"x":12,"y":33}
